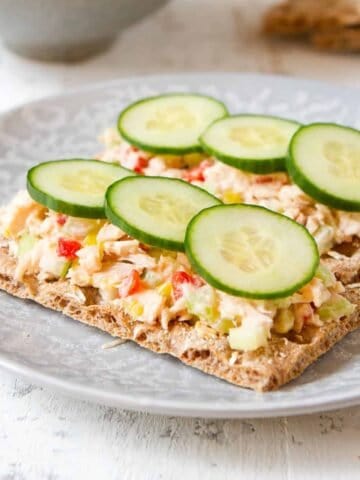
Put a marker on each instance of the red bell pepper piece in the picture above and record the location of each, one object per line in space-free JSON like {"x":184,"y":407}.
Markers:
{"x":67,"y":248}
{"x":179,"y":278}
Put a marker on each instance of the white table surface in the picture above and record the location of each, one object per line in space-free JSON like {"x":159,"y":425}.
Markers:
{"x":44,"y":435}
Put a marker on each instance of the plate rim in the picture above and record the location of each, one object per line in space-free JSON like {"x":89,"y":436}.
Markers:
{"x":303,"y":81}
{"x":165,"y":407}
{"x":146,"y":403}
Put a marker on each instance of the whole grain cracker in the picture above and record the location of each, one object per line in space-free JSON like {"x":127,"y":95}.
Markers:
{"x":265,"y":369}
{"x":341,"y":40}
{"x":330,"y":24}
{"x":295,"y":17}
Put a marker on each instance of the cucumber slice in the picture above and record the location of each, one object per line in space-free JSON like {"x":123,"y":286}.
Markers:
{"x":169,"y":123}
{"x":324,"y":161}
{"x":255,"y":143}
{"x":250,"y":251}
{"x":76,"y":187}
{"x":155,"y":210}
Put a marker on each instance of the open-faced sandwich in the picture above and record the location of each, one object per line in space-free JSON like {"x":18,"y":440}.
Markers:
{"x":228,"y":241}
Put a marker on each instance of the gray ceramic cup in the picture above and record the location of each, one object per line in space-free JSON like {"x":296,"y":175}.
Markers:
{"x":67,"y":30}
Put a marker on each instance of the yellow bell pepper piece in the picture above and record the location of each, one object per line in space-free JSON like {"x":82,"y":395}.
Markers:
{"x":135,"y":309}
{"x":90,"y":239}
{"x":165,"y":289}
{"x":232,"y":197}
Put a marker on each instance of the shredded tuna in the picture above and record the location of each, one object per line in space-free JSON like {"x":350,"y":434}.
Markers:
{"x":107,"y":256}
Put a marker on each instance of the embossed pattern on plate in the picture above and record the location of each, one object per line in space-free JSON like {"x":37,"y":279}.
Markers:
{"x":51,"y":349}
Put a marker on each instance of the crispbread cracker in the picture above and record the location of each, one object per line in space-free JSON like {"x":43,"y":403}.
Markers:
{"x":345,"y":39}
{"x":265,"y":369}
{"x":330,"y":24}
{"x":296,"y":17}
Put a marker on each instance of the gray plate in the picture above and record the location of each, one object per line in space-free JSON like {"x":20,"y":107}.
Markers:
{"x":53,"y":350}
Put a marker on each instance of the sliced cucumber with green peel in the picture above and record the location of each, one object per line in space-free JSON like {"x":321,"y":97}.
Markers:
{"x":255,"y":143}
{"x":250,"y":251}
{"x":170,"y":123}
{"x":155,"y":210}
{"x":75,"y":187}
{"x":324,"y":161}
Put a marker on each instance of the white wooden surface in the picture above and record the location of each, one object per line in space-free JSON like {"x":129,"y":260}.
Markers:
{"x":46,"y":436}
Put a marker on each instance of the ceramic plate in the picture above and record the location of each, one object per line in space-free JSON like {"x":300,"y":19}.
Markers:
{"x":53,"y":350}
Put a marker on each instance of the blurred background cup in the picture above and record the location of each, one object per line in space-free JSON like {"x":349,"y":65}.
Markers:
{"x":67,"y":30}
